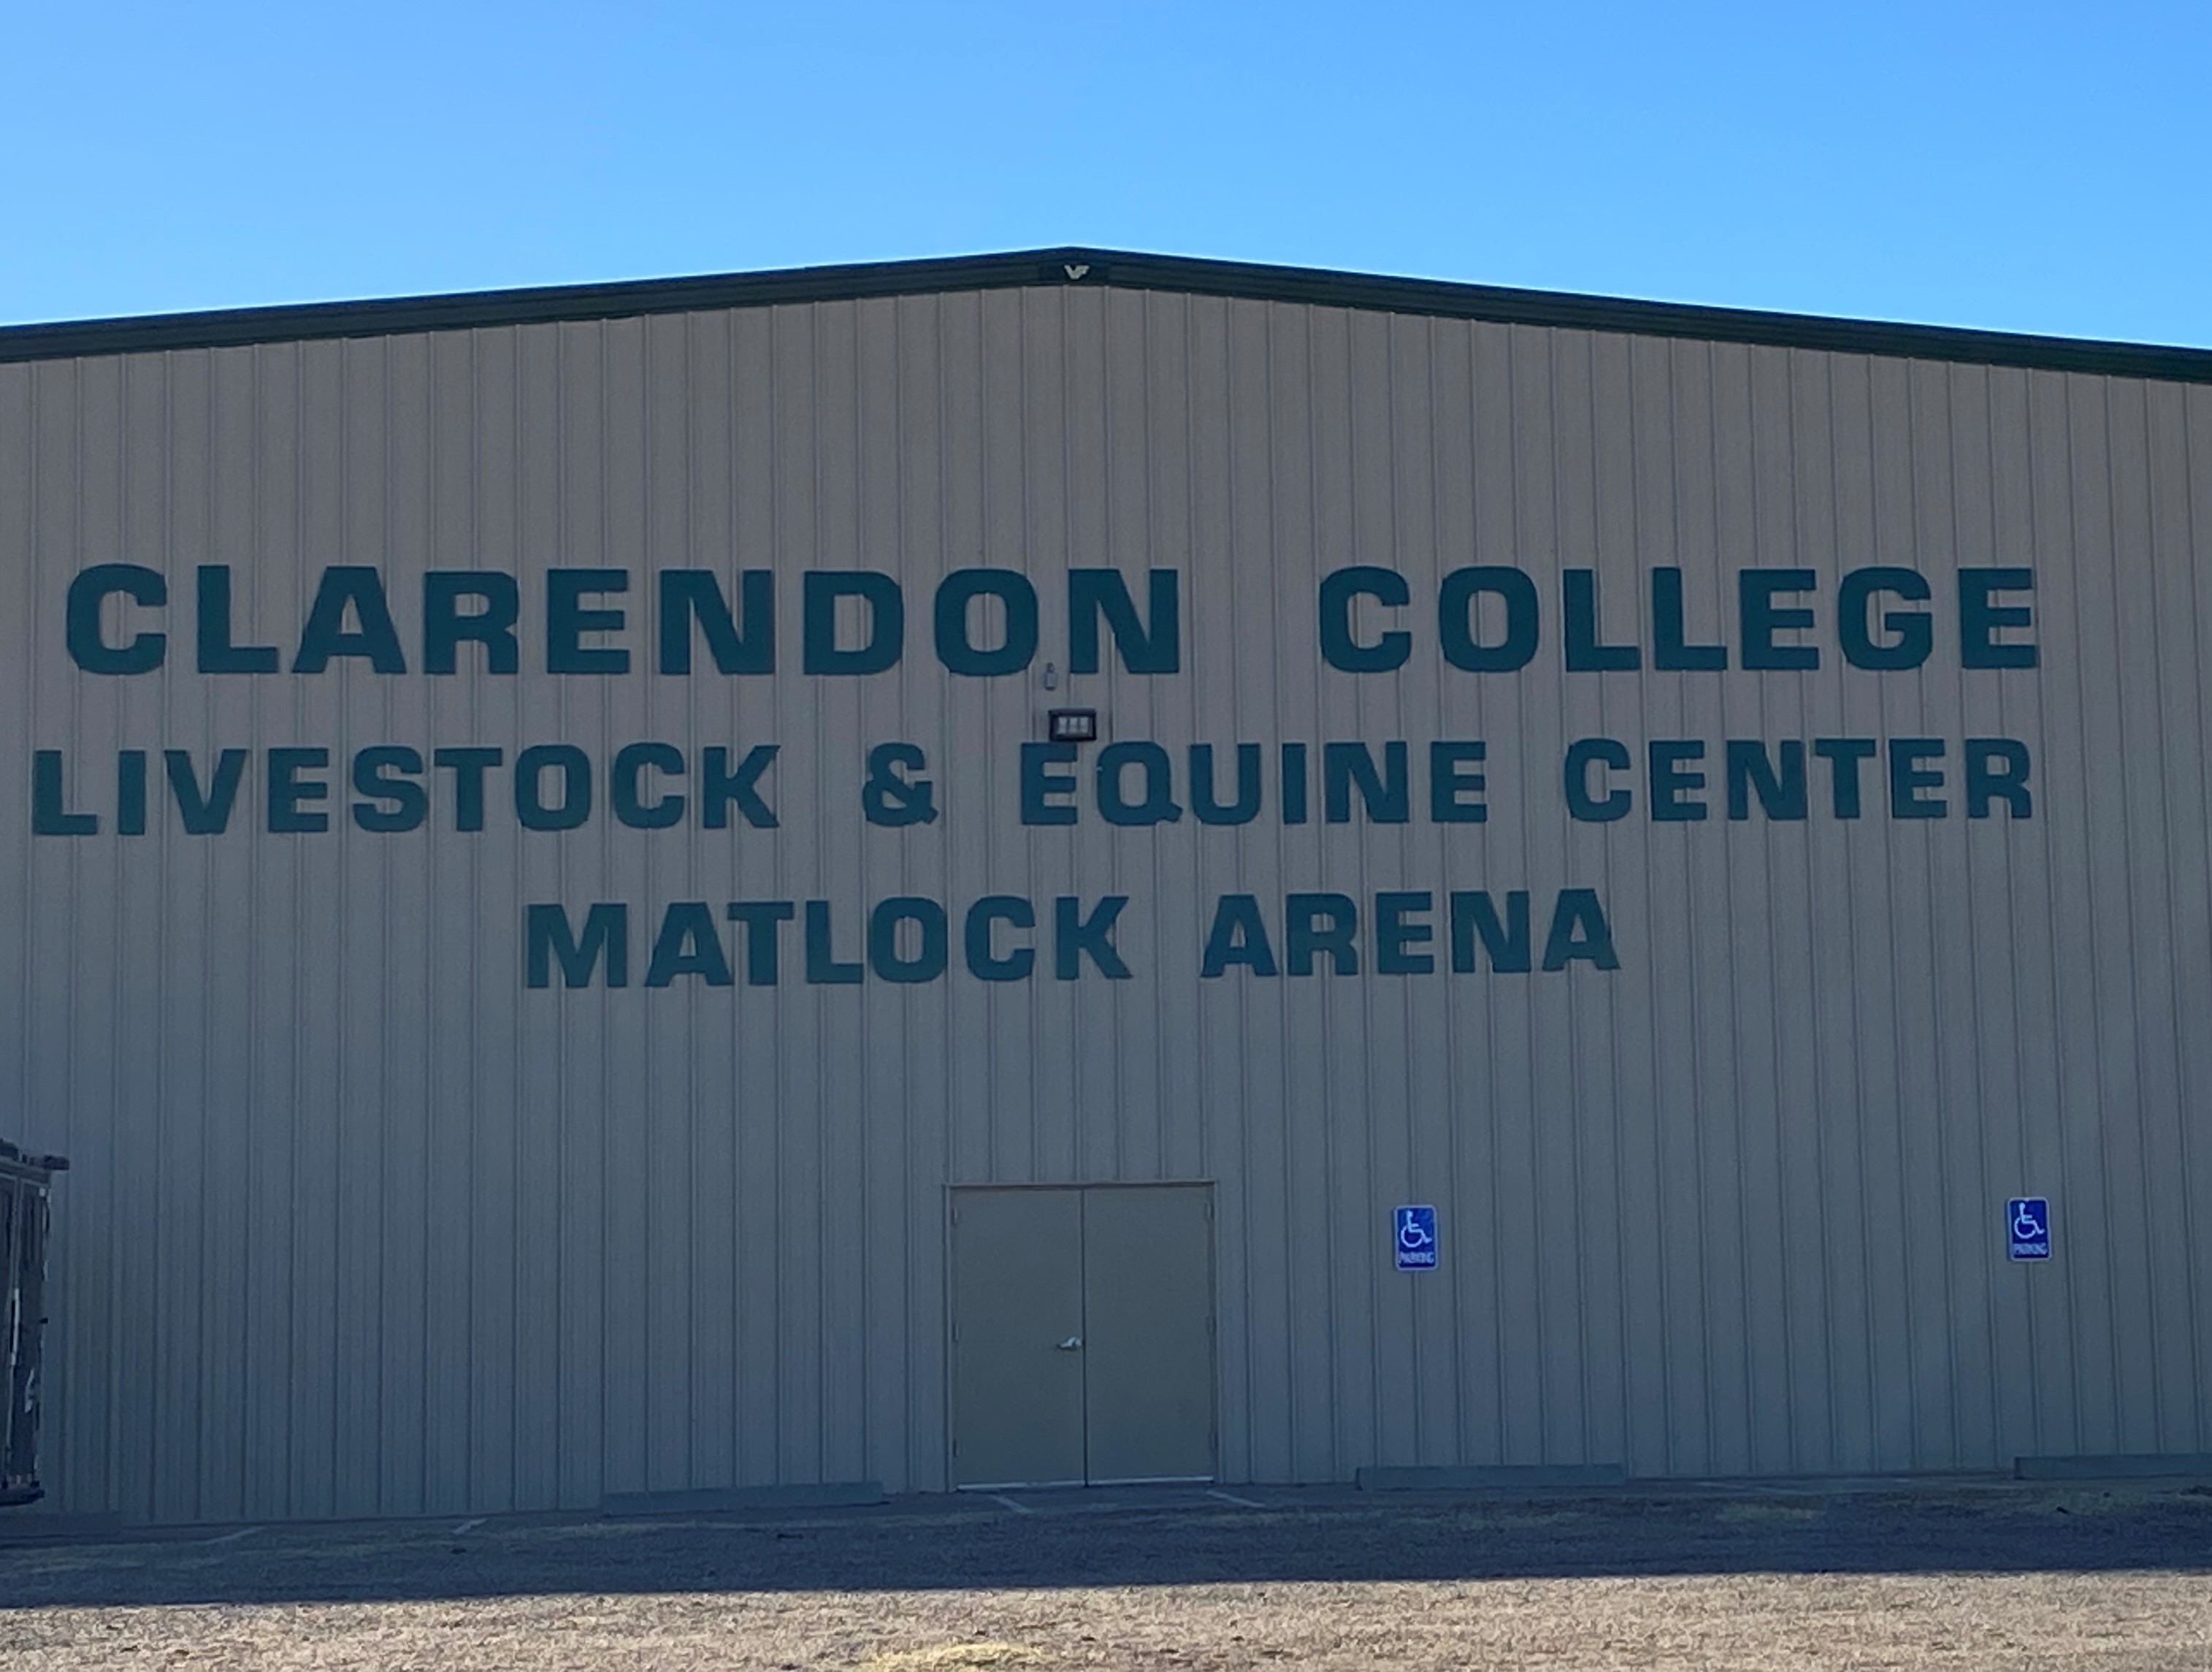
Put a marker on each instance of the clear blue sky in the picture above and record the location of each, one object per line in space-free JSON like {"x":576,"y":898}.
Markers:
{"x":2033,"y":166}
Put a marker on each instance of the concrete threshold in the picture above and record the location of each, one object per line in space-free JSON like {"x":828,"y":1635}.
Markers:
{"x":36,"y":1527}
{"x":1488,"y":1477}
{"x":2136,"y":1466}
{"x":713,"y":1500}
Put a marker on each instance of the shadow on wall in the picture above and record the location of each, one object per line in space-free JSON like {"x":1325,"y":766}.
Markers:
{"x":1099,"y":1540}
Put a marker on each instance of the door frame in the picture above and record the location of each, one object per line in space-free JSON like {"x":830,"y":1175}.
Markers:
{"x":1213,"y":1189}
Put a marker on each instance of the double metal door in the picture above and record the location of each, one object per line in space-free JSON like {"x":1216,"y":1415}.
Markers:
{"x":1082,"y":1334}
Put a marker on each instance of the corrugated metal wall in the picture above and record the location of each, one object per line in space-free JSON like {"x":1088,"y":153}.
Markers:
{"x":360,"y":1224}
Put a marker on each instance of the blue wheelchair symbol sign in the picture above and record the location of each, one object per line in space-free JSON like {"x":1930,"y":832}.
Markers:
{"x":1413,"y":1237}
{"x":2027,"y":1227}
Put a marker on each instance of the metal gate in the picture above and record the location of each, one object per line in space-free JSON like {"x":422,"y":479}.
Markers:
{"x":23,"y":1221}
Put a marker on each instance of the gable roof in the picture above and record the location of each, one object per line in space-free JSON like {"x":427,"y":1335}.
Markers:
{"x":1076,"y":265}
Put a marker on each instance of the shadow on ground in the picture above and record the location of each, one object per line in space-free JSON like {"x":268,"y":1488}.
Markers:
{"x":963,"y":1544}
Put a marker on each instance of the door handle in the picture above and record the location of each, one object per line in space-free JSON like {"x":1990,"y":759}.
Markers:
{"x":1073,"y":1344}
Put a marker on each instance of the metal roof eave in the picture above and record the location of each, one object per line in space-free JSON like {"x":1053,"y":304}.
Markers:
{"x":1075,"y":265}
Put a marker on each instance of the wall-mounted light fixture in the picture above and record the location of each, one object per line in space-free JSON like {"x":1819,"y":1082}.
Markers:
{"x":1071,"y":724}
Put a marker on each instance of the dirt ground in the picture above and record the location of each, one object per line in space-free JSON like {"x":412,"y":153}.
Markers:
{"x":1996,"y":1577}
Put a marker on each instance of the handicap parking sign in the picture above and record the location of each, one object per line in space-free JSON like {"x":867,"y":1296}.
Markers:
{"x":1414,"y":1236}
{"x":2027,"y":1227}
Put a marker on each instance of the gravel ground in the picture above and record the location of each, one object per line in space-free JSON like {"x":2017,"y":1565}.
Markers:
{"x":2015,"y":1578}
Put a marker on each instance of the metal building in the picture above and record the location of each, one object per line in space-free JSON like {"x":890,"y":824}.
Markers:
{"x":552,"y":924}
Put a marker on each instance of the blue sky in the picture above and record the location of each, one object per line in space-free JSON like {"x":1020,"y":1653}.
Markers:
{"x":2030,"y":168}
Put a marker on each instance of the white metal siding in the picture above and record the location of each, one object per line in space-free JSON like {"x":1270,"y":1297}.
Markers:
{"x":357,"y":1224}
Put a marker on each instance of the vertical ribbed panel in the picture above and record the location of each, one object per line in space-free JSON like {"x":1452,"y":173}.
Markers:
{"x":359,"y":1224}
